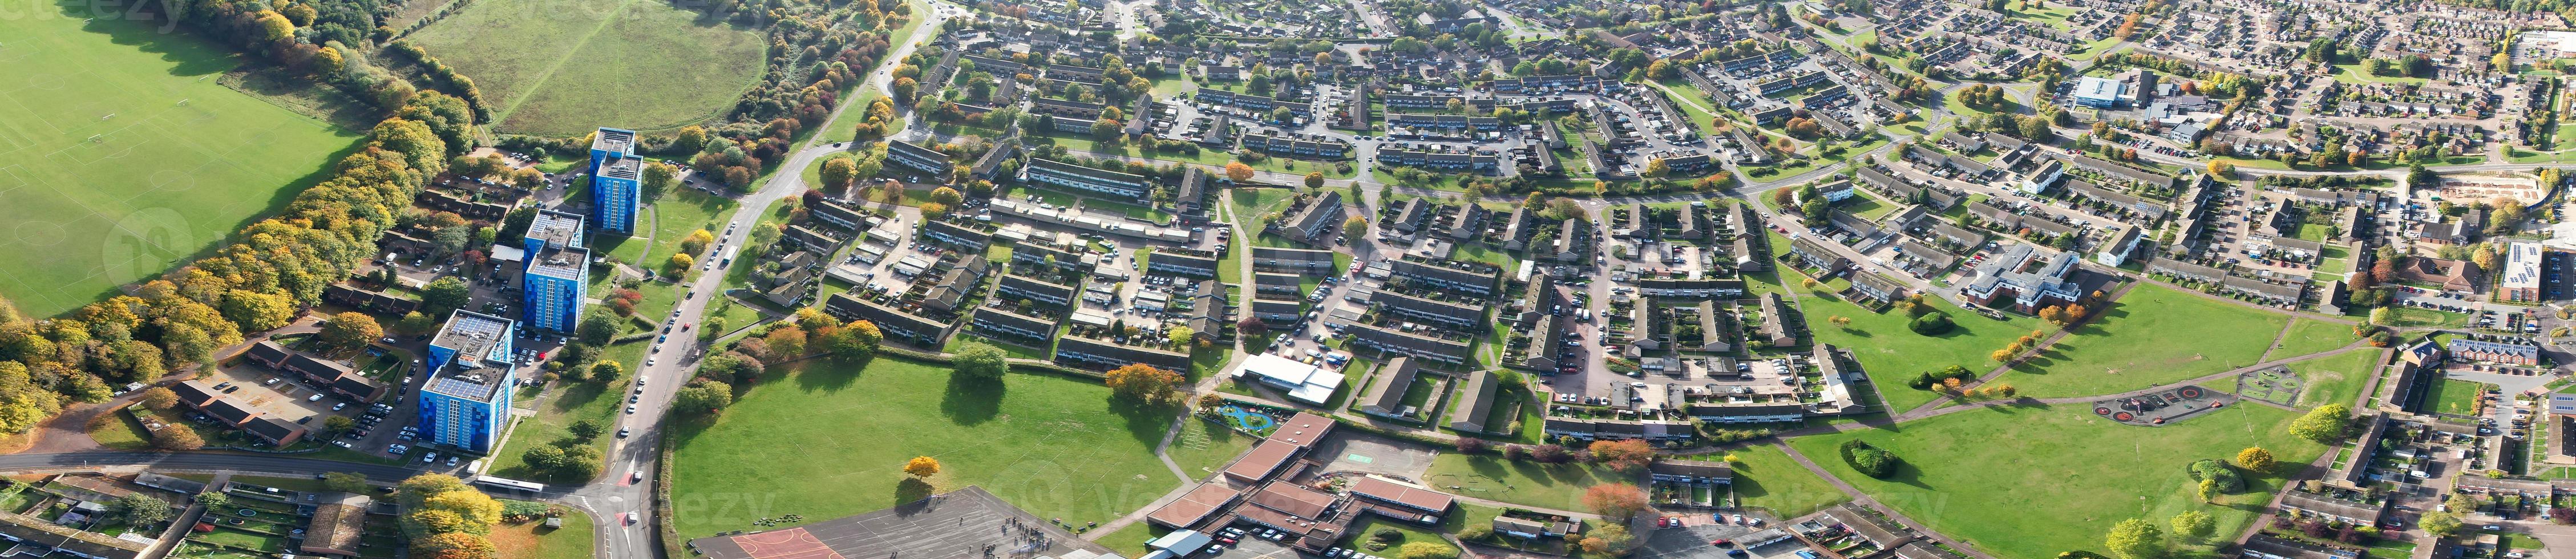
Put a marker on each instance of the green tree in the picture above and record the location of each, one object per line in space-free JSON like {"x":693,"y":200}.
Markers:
{"x":979,"y":360}
{"x":215,"y":501}
{"x":258,"y":312}
{"x":2325,"y":424}
{"x":838,"y":172}
{"x":703,"y":398}
{"x":597,"y":327}
{"x":140,"y":510}
{"x":415,"y":323}
{"x":2441,"y":523}
{"x":443,"y":295}
{"x":1355,"y":227}
{"x":351,"y":330}
{"x":606,"y":371}
{"x":2254,"y":459}
{"x":2194,"y":524}
{"x":2135,"y":538}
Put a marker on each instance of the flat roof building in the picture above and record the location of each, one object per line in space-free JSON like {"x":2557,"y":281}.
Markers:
{"x":616,"y":181}
{"x":466,"y":401}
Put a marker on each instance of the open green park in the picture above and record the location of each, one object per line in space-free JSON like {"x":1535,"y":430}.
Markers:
{"x":1766,"y":478}
{"x":1890,"y":351}
{"x":2138,"y":343}
{"x":2339,"y":378}
{"x":122,"y":154}
{"x":2036,"y":480}
{"x":2308,"y":336}
{"x":565,"y":67}
{"x":825,"y":440}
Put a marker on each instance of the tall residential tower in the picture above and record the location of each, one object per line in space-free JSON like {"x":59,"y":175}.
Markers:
{"x":466,"y":403}
{"x":555,"y":283}
{"x":616,"y":181}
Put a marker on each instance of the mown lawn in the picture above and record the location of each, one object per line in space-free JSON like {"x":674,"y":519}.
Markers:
{"x":830,"y":440}
{"x":2338,"y":379}
{"x":2308,"y":336}
{"x":659,"y":229}
{"x":1765,"y":478}
{"x":2154,"y":335}
{"x":565,"y":404}
{"x":566,"y":67}
{"x":1556,"y":486}
{"x":1890,"y":351}
{"x":2454,"y":396}
{"x":1204,"y":447}
{"x":123,"y":154}
{"x":2033,"y":481}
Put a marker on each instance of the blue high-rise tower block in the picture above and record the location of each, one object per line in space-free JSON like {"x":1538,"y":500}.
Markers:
{"x":616,"y":181}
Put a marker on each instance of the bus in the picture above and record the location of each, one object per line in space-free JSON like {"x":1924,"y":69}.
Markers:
{"x":507,"y":483}
{"x":728,"y":255}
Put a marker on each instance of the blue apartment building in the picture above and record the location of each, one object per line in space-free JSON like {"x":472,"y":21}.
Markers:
{"x":466,"y":403}
{"x":616,"y":181}
{"x":556,"y":281}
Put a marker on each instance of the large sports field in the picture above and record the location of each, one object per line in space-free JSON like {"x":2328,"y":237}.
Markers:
{"x":566,"y":67}
{"x":2033,"y":481}
{"x":121,"y":156}
{"x":831,"y":441}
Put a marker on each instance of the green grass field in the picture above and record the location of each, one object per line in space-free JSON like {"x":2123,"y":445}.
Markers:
{"x":1053,"y":445}
{"x":1555,"y":486}
{"x":2134,"y":344}
{"x":1203,"y":448}
{"x":2032,"y":481}
{"x":2411,"y":317}
{"x":1766,"y":478}
{"x":2312,"y":336}
{"x":2337,"y":379}
{"x":662,"y":225}
{"x":565,"y":404}
{"x":566,"y":67}
{"x":121,"y":156}
{"x":2454,"y":397}
{"x":1892,"y":353}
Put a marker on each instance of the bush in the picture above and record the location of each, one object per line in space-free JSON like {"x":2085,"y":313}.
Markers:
{"x":2228,"y":480}
{"x":1932,"y":324}
{"x":1928,"y":379}
{"x":1870,"y":460}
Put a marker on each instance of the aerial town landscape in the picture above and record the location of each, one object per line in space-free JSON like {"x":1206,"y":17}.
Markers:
{"x":1365,"y":279}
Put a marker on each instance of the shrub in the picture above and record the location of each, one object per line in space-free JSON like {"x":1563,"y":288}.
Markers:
{"x":1932,"y":324}
{"x":2228,"y":480}
{"x":1870,"y":460}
